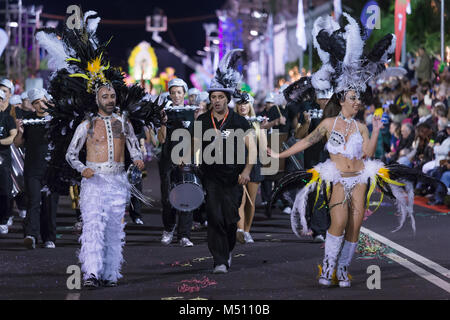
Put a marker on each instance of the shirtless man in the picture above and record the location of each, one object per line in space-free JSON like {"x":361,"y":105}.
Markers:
{"x":105,"y":190}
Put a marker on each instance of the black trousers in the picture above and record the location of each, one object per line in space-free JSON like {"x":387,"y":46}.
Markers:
{"x":169,"y":214}
{"x":41,"y":210}
{"x":5,"y":189}
{"x":222,"y":209}
{"x":266,"y":190}
{"x":136,"y":205}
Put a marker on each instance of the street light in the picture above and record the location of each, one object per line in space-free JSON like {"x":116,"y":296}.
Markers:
{"x":254,"y":33}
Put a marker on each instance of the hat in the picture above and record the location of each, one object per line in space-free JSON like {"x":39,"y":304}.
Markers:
{"x":47,"y":95}
{"x":15,"y":99}
{"x":270,"y":97}
{"x":177,"y":82}
{"x":227,"y":77}
{"x":35,"y":94}
{"x":24,"y":95}
{"x":193,"y":91}
{"x":204,"y":96}
{"x":7,"y":83}
{"x":244,"y":97}
{"x":2,"y":95}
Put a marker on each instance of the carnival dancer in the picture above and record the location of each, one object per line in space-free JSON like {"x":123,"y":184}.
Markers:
{"x":92,"y":128}
{"x":244,"y":107}
{"x":223,"y":180}
{"x":345,"y":178}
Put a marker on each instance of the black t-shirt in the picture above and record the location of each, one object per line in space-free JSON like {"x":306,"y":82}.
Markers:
{"x":276,"y":112}
{"x":36,"y":148}
{"x":6,"y":125}
{"x":23,"y":114}
{"x":224,"y":173}
{"x":175,"y":120}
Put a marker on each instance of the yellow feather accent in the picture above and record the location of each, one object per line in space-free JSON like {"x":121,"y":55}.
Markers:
{"x":95,"y":65}
{"x":383,"y":173}
{"x":315,"y":177}
{"x":73,"y":59}
{"x":79,"y":75}
{"x":372,"y":188}
{"x":334,"y":279}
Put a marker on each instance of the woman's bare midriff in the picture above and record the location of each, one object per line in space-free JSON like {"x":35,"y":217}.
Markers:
{"x":346,"y":165}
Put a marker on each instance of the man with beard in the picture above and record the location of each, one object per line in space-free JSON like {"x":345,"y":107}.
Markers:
{"x":223,"y":180}
{"x":105,"y":189}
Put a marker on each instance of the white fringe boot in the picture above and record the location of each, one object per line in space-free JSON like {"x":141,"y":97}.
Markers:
{"x":344,"y":262}
{"x":332,"y":247}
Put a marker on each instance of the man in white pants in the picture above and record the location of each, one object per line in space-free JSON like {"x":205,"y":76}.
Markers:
{"x":105,"y":190}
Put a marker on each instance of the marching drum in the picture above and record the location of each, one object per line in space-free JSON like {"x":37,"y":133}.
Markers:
{"x":185,"y":188}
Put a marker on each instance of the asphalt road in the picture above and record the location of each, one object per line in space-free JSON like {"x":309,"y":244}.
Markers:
{"x":278,"y":266}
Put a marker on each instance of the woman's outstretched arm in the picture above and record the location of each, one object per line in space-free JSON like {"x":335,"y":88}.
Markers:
{"x":305,"y":143}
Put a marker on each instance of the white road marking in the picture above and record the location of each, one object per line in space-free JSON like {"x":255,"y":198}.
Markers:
{"x":73,"y":296}
{"x":432,"y":265}
{"x":420,"y":271}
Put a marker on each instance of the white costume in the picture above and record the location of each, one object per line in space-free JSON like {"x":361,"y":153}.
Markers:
{"x":103,"y":200}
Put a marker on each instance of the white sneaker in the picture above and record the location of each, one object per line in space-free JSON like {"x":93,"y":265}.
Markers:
{"x":287,"y":210}
{"x":319,"y":238}
{"x":23,"y":214}
{"x":229,"y":260}
{"x":240,"y":236}
{"x":78,"y":226}
{"x":220,"y":269}
{"x":10,"y":222}
{"x":167,"y":238}
{"x":248,"y":238}
{"x":3,"y":228}
{"x":185,"y":242}
{"x":29,"y":242}
{"x":49,"y":245}
{"x":138,"y":221}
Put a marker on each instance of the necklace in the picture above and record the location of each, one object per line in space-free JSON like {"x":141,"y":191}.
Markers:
{"x":348,"y":123}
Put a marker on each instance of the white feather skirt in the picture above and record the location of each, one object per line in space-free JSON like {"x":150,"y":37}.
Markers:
{"x":103,"y":200}
{"x":404,"y":196}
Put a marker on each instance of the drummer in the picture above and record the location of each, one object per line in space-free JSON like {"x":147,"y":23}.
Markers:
{"x":175,"y":119}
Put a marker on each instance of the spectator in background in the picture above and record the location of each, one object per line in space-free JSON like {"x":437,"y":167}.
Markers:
{"x":405,"y":144}
{"x":423,"y":66}
{"x":394,"y":130}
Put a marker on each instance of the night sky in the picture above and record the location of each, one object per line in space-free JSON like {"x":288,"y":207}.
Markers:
{"x":190,"y":36}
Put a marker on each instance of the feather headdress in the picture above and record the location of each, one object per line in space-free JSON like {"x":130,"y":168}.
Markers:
{"x":344,"y":64}
{"x":82,"y":66}
{"x":227,"y":78}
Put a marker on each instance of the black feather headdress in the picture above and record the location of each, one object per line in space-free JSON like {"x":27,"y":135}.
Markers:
{"x":82,"y":66}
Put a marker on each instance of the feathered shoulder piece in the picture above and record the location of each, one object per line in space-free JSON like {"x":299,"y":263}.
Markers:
{"x":227,"y":78}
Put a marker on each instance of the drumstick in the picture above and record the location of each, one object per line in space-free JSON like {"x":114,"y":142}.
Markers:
{"x":248,"y":196}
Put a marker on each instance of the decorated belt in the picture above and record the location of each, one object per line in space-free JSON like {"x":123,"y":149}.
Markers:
{"x":106,"y":167}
